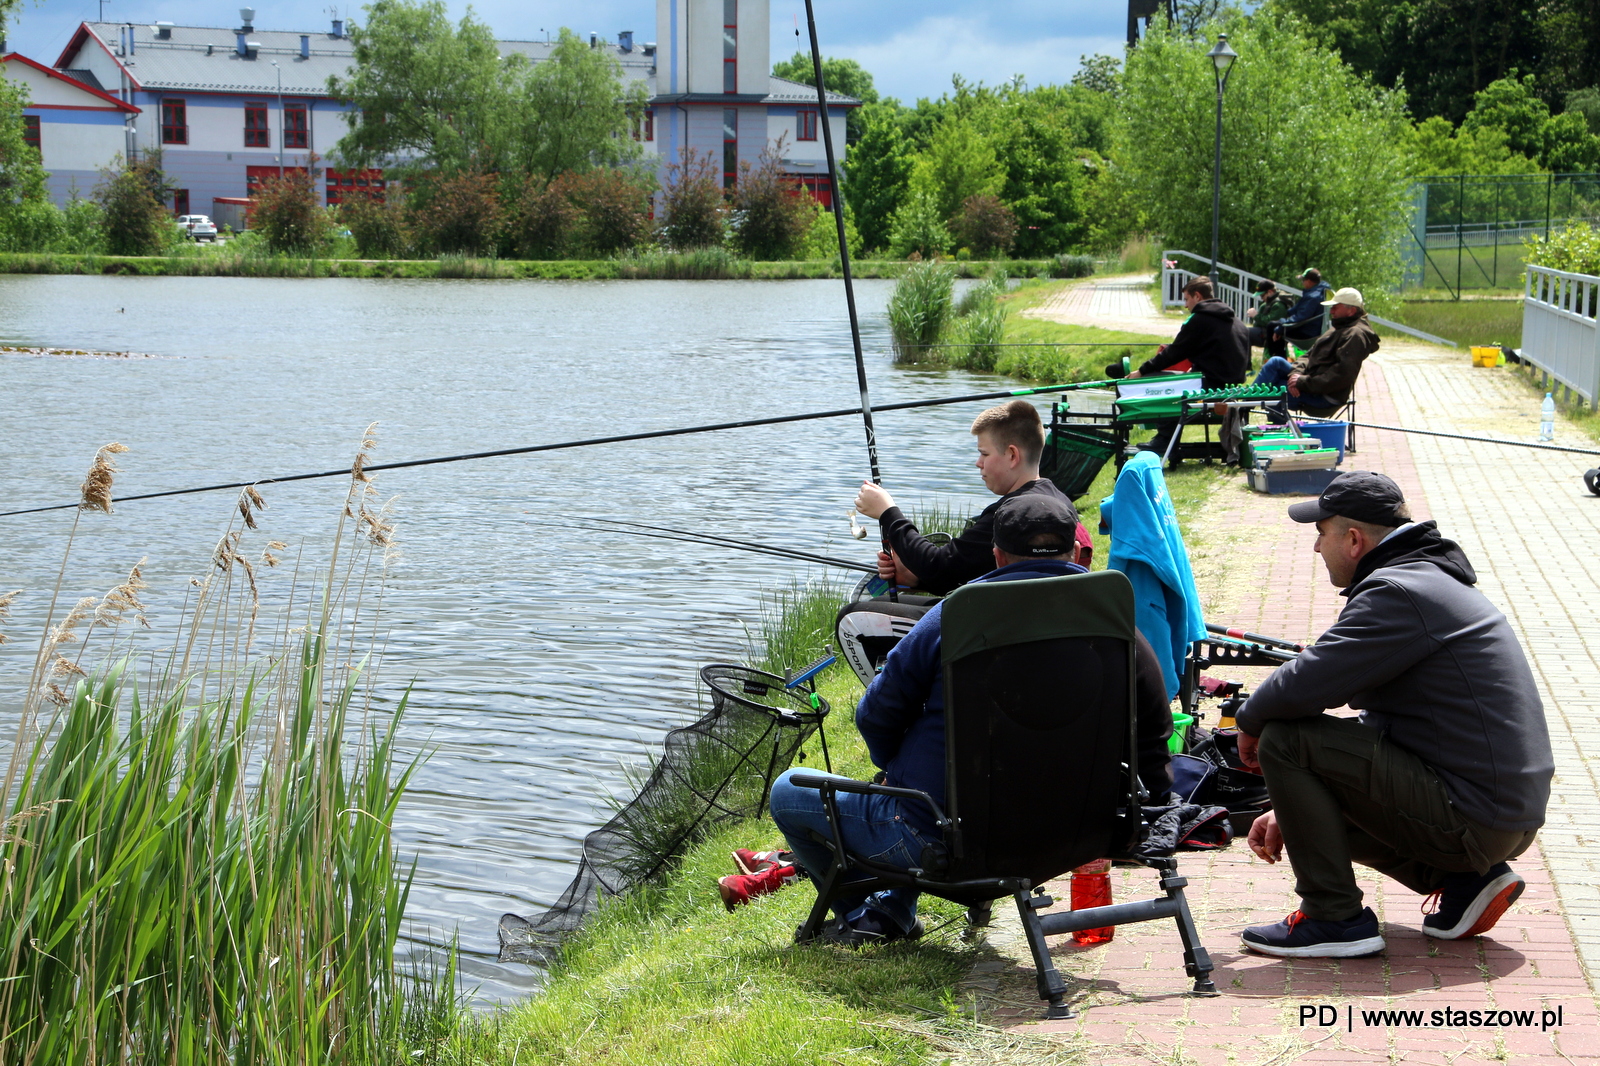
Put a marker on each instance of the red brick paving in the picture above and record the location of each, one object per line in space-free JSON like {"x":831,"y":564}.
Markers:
{"x":1129,"y":992}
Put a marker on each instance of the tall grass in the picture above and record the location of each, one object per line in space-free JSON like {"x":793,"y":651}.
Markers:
{"x":919,"y":309}
{"x":200,"y":868}
{"x":795,"y":625}
{"x":699,"y":264}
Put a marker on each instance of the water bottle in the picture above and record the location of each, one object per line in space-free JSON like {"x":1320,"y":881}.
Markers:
{"x":1547,"y":418}
{"x":1091,"y":887}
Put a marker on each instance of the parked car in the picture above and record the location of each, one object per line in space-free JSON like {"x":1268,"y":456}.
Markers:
{"x":198,"y":227}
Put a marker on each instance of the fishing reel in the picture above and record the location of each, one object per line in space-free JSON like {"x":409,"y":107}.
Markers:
{"x":1591,"y":478}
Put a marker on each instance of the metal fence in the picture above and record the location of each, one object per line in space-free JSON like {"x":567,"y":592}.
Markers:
{"x":1561,"y":329}
{"x":1236,"y":288}
{"x":1469,"y":231}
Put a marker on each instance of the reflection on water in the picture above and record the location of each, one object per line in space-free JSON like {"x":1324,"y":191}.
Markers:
{"x":545,"y":654}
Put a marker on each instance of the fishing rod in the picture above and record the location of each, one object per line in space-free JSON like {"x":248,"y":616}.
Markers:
{"x":618,"y":439}
{"x":1240,"y":634}
{"x":616,"y":525}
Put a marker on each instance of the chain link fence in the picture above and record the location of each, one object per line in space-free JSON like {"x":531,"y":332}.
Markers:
{"x":1469,"y":231}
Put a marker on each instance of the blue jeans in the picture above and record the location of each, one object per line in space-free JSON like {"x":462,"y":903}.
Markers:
{"x":873,"y":826}
{"x":1275,"y":371}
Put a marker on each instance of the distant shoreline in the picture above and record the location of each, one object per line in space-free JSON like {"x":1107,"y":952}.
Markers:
{"x":687,"y":267}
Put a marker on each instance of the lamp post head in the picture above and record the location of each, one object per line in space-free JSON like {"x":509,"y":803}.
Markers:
{"x":1222,"y":56}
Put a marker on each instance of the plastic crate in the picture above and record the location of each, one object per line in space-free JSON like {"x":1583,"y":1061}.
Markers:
{"x":1287,"y":482}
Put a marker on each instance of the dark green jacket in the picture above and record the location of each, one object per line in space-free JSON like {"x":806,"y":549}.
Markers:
{"x":1274,"y":307}
{"x":1332,"y":365}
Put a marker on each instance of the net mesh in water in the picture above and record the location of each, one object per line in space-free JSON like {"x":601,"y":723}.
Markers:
{"x":718,"y":769}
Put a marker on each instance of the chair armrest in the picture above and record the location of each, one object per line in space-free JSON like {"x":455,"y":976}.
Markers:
{"x":867,"y":788}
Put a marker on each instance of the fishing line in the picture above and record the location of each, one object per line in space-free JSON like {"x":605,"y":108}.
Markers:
{"x":621,"y":438}
{"x":1455,"y":436}
{"x":710,"y":541}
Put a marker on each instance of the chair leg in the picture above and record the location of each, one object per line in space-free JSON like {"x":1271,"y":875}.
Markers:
{"x":979,"y":915}
{"x":1196,"y":959}
{"x":812,"y":928}
{"x":1052,"y":989}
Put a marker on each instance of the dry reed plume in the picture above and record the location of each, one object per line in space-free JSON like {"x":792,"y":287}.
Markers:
{"x":5,"y":608}
{"x":96,"y":487}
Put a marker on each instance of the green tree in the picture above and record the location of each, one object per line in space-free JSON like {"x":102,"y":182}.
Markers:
{"x":1511,"y":106}
{"x":132,"y":197}
{"x":1044,"y":175}
{"x":288,"y":216}
{"x":1586,"y":102}
{"x":878,"y":171}
{"x":1568,"y":144}
{"x":692,"y":203}
{"x":1434,"y":147}
{"x":425,"y":89}
{"x":1099,"y":74}
{"x":574,"y":111}
{"x":1323,"y":182}
{"x":918,"y":229}
{"x":840,"y":76}
{"x":22,"y":176}
{"x":960,"y":161}
{"x":771,"y":218}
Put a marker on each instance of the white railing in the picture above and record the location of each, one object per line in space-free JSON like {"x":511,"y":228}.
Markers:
{"x":1238,"y":295}
{"x":1561,"y":329}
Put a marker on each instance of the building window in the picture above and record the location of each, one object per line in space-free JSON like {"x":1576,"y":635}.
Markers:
{"x":649,"y":123}
{"x":295,"y":126}
{"x":30,"y":130}
{"x":346,"y":184}
{"x":256,"y":133}
{"x":180,"y":201}
{"x":730,"y":146}
{"x":730,"y":46}
{"x":174,"y":122}
{"x":805,"y":126}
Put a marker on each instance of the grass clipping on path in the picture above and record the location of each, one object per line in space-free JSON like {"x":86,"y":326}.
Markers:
{"x":200,"y":868}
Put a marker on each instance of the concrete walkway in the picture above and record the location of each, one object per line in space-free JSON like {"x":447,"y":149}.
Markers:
{"x":1533,"y":532}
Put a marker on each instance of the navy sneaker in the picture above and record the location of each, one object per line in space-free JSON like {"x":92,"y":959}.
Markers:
{"x":1299,"y":937}
{"x":1470,"y":904}
{"x":870,"y":928}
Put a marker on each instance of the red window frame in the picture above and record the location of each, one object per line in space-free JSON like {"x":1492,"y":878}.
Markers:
{"x":805,"y":125}
{"x":649,"y":123}
{"x":730,"y":46}
{"x":180,"y":202}
{"x":257,"y":129}
{"x":30,"y":131}
{"x":174,"y":122}
{"x":296,"y":126}
{"x":341,"y":183}
{"x":730,"y":147}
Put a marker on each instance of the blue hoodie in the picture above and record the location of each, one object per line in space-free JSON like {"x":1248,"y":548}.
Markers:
{"x":1147,"y":545}
{"x":1305,"y":317}
{"x":901,"y":717}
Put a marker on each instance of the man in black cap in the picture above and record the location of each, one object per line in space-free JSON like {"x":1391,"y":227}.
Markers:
{"x":1446,"y":774}
{"x":901,"y":718}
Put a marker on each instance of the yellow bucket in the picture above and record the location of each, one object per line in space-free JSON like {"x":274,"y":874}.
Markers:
{"x":1486,"y":356}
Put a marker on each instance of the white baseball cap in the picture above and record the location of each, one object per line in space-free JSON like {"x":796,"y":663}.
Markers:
{"x":1346,"y":296}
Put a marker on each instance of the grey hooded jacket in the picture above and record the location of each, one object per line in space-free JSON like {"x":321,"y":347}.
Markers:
{"x":1432,"y":663}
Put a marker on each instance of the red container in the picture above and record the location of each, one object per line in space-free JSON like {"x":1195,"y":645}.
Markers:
{"x":1091,"y":887}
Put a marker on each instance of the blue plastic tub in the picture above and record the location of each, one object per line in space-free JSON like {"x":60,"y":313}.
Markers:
{"x":1331,"y":434}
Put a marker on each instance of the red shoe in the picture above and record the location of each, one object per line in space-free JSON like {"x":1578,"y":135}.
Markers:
{"x":742,"y":888}
{"x":753,"y":862}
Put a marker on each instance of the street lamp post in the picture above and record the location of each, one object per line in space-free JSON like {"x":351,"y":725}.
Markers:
{"x":280,"y":139}
{"x":1222,"y":58}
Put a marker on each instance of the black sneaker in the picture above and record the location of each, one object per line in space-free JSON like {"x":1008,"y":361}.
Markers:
{"x":1299,"y":937}
{"x":1470,"y":904}
{"x":870,"y":928}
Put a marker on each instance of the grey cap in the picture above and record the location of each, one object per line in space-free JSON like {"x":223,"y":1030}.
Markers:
{"x":1359,"y":495}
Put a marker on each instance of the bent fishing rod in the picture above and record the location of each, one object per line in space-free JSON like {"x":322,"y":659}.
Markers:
{"x":688,"y":536}
{"x":584,"y":443}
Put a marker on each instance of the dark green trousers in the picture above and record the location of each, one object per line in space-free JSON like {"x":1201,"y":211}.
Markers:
{"x":1346,"y":794}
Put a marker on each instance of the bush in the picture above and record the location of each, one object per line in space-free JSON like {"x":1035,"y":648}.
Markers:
{"x":1575,"y":249}
{"x":287,"y":215}
{"x":545,"y":223}
{"x":980,"y":334}
{"x":376,"y":223}
{"x":917,"y":229}
{"x":615,"y":209}
{"x":132,"y":199}
{"x":919,"y":309}
{"x":821,"y":240}
{"x":772,"y":214}
{"x":40,"y":226}
{"x":693,"y":208}
{"x":1072,"y":266}
{"x":457,"y":213}
{"x":985,"y":225}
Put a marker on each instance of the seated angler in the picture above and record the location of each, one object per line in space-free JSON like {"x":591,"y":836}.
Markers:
{"x":1010,"y":441}
{"x":1446,"y":774}
{"x":1211,"y":340}
{"x":1322,"y":382}
{"x":901,"y":717}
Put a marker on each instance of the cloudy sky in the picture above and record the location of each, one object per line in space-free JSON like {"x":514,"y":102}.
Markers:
{"x":912,"y":47}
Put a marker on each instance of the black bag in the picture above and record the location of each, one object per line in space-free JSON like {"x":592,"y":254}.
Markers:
{"x":1212,"y":774}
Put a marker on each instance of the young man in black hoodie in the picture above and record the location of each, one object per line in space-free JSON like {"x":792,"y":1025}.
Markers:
{"x":1212,"y":340}
{"x":1446,"y":774}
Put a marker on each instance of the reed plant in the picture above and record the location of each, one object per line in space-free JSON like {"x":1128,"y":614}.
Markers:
{"x":695,"y":264}
{"x":919,"y":310}
{"x":199,"y":868}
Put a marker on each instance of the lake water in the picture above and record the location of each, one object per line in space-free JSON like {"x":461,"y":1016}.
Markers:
{"x":547,"y":656}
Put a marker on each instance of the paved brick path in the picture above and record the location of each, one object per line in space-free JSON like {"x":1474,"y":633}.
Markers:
{"x":1533,"y":532}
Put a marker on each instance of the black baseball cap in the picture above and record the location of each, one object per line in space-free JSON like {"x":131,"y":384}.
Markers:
{"x":1023,"y":519}
{"x":1359,"y":495}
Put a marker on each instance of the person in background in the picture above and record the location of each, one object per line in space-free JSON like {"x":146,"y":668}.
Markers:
{"x":1272,"y":304}
{"x":1303,"y":323}
{"x":1323,"y":381}
{"x":1211,"y":340}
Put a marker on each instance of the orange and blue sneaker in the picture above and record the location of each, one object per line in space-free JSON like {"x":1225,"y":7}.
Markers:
{"x":1301,"y":937}
{"x":1470,"y":904}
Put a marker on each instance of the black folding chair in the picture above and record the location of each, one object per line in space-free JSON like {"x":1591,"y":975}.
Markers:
{"x":1040,"y":768}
